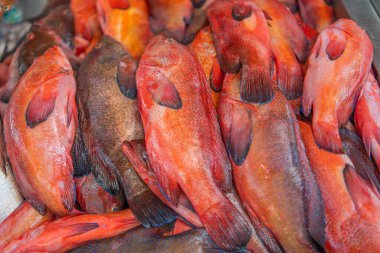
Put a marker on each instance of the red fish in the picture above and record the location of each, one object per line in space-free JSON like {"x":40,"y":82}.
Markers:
{"x":317,"y":13}
{"x":69,"y":232}
{"x":127,"y":21}
{"x":87,"y":27}
{"x":242,"y":41}
{"x":267,"y":154}
{"x":176,"y":109}
{"x":367,"y":117}
{"x":204,"y":49}
{"x":338,"y":67}
{"x":39,"y":125}
{"x":351,"y":204}
{"x":25,"y":217}
{"x":289,"y":46}
{"x":170,"y":17}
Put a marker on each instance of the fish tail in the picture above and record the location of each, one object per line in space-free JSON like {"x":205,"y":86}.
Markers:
{"x":290,"y":79}
{"x":226,"y":226}
{"x":256,"y":85}
{"x":326,"y":133}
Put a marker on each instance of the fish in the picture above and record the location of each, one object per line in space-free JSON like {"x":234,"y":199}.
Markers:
{"x":127,"y":21}
{"x":143,"y":240}
{"x":338,"y":67}
{"x":23,"y":218}
{"x":204,"y":49}
{"x":66,"y":233}
{"x":11,"y":194}
{"x":177,"y":114}
{"x":351,"y":204}
{"x":242,"y":42}
{"x":86,"y":24}
{"x":170,"y":17}
{"x":39,"y":118}
{"x":367,"y":117}
{"x":107,"y":93}
{"x":319,"y":14}
{"x":289,"y":46}
{"x":267,"y":154}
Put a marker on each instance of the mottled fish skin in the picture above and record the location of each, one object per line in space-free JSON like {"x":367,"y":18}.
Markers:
{"x":338,"y":67}
{"x":367,"y":118}
{"x":127,"y":21}
{"x":23,"y":218}
{"x":267,"y":154}
{"x":289,"y":46}
{"x":351,"y":204}
{"x":11,"y":197}
{"x":39,"y":118}
{"x":107,"y":93}
{"x":170,"y":17}
{"x":316,"y":13}
{"x":242,"y":41}
{"x":64,"y":234}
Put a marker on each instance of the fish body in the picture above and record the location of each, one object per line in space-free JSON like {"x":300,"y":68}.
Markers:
{"x":338,"y":67}
{"x":107,"y":93}
{"x":39,"y":125}
{"x":176,"y":109}
{"x":351,"y":204}
{"x":289,"y":46}
{"x":127,"y":21}
{"x":170,"y":17}
{"x":23,"y":218}
{"x":367,"y":118}
{"x":204,"y":49}
{"x":242,"y":41}
{"x":87,"y":27}
{"x":66,"y":233}
{"x":316,"y":13}
{"x":267,"y":154}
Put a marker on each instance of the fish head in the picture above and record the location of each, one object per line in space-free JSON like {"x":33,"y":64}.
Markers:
{"x":5,"y":6}
{"x":108,"y":49}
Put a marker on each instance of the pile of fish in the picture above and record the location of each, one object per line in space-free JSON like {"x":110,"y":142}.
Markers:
{"x":190,"y":126}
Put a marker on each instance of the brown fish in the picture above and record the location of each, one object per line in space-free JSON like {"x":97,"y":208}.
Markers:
{"x":267,"y":154}
{"x":107,"y":93}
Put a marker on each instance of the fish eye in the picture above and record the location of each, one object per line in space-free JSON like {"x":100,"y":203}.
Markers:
{"x":7,"y":7}
{"x":99,"y":45}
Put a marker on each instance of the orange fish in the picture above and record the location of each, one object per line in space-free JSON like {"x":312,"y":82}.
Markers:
{"x":289,"y":46}
{"x":351,"y":204}
{"x":367,"y":117}
{"x":87,"y":27}
{"x":317,"y":13}
{"x":178,"y":114}
{"x":204,"y":49}
{"x":39,"y":125}
{"x":25,"y":217}
{"x":127,"y":21}
{"x":267,"y":154}
{"x":69,"y":232}
{"x":170,"y":17}
{"x":338,"y":67}
{"x":242,"y":41}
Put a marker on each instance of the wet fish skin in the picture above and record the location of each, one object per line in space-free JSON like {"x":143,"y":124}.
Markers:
{"x":42,"y":117}
{"x":66,"y":233}
{"x":171,"y":17}
{"x":355,"y":225}
{"x":107,"y":93}
{"x":242,"y":41}
{"x":338,"y":67}
{"x":259,"y":171}
{"x":367,"y":118}
{"x":23,"y":218}
{"x":173,"y":97}
{"x":127,"y":21}
{"x":316,"y":13}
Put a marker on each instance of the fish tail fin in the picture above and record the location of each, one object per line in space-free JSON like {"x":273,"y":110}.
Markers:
{"x":150,"y":210}
{"x":226,"y":226}
{"x":290,"y":79}
{"x":256,"y":85}
{"x":326,"y":133}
